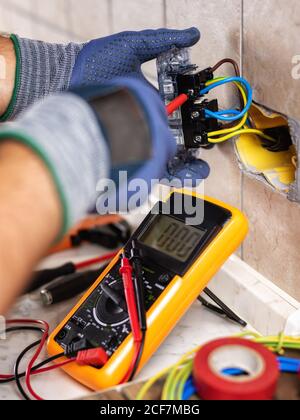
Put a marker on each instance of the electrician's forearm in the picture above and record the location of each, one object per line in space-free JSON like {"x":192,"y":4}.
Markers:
{"x":48,"y":180}
{"x":36,"y":69}
{"x":30,"y":217}
{"x":7,"y":73}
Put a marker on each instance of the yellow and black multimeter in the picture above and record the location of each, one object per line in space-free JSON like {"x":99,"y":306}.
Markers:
{"x":179,"y":259}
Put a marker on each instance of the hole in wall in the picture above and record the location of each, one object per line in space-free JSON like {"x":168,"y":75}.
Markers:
{"x":274,"y":159}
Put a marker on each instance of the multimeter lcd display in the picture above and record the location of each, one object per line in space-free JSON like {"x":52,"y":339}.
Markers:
{"x":172,"y":237}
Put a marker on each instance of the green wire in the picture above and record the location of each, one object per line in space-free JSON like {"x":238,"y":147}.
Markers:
{"x":184,"y":376}
{"x":175,"y":383}
{"x":173,"y":388}
{"x":170,"y":383}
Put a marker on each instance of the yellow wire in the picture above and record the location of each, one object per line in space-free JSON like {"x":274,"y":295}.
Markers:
{"x":238,"y":132}
{"x":144,"y":390}
{"x":243,"y":121}
{"x":148,"y":385}
{"x":248,"y":334}
{"x":185,"y":374}
{"x":173,"y":373}
{"x":171,"y":385}
{"x":235,"y":131}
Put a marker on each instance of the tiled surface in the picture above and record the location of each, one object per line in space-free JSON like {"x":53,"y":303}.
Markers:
{"x":136,"y":15}
{"x":273,"y":246}
{"x":93,"y":21}
{"x":271,"y":40}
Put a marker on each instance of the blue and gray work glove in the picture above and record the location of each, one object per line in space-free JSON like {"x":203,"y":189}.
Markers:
{"x":44,"y":68}
{"x":93,"y":133}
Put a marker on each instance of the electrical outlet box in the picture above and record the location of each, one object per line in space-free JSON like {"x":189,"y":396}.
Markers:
{"x":177,"y":75}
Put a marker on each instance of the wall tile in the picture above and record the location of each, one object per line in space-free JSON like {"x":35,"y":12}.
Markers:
{"x":219,"y":22}
{"x":271,"y":40}
{"x":273,"y":246}
{"x":95,"y":22}
{"x":136,"y":15}
{"x":27,"y":5}
{"x":224,"y":182}
{"x":12,"y":22}
{"x":47,"y":21}
{"x":53,"y":11}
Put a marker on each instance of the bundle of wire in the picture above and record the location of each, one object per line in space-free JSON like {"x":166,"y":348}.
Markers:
{"x":35,"y":326}
{"x":178,"y":382}
{"x":231,"y":116}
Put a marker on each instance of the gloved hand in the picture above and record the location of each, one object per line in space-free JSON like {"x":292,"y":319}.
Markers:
{"x":134,"y":120}
{"x":187,"y":166}
{"x":147,"y":157}
{"x":123,"y":54}
{"x":45,"y":68}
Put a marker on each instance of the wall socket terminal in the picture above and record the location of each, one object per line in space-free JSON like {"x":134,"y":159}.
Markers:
{"x":177,"y":75}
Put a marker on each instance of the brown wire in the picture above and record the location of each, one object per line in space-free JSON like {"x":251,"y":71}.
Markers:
{"x":238,"y":74}
{"x":228,"y":61}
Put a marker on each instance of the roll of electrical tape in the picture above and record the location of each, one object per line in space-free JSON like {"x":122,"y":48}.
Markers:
{"x":259,"y":364}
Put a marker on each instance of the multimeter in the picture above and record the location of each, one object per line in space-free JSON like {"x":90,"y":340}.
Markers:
{"x":178,"y":260}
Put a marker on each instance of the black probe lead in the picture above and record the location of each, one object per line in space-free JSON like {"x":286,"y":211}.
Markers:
{"x":136,"y":258}
{"x":16,"y":370}
{"x":18,"y":329}
{"x":139,"y":358}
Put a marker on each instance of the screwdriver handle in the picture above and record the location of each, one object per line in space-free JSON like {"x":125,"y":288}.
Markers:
{"x":43,"y":277}
{"x":69,"y":287}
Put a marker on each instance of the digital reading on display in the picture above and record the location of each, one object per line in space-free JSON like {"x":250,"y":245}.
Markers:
{"x":172,"y":237}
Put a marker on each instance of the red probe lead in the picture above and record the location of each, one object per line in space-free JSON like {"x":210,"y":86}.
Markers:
{"x":126,"y":272}
{"x":176,"y":103}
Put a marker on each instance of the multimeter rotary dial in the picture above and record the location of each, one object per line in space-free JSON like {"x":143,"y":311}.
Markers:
{"x":107,"y":312}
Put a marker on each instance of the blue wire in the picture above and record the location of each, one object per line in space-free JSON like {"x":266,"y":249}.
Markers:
{"x":232,"y":372}
{"x":288,"y":360}
{"x":288,"y":368}
{"x":286,"y":365}
{"x":189,"y":390}
{"x":210,"y":114}
{"x":221,"y":116}
{"x":230,"y":111}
